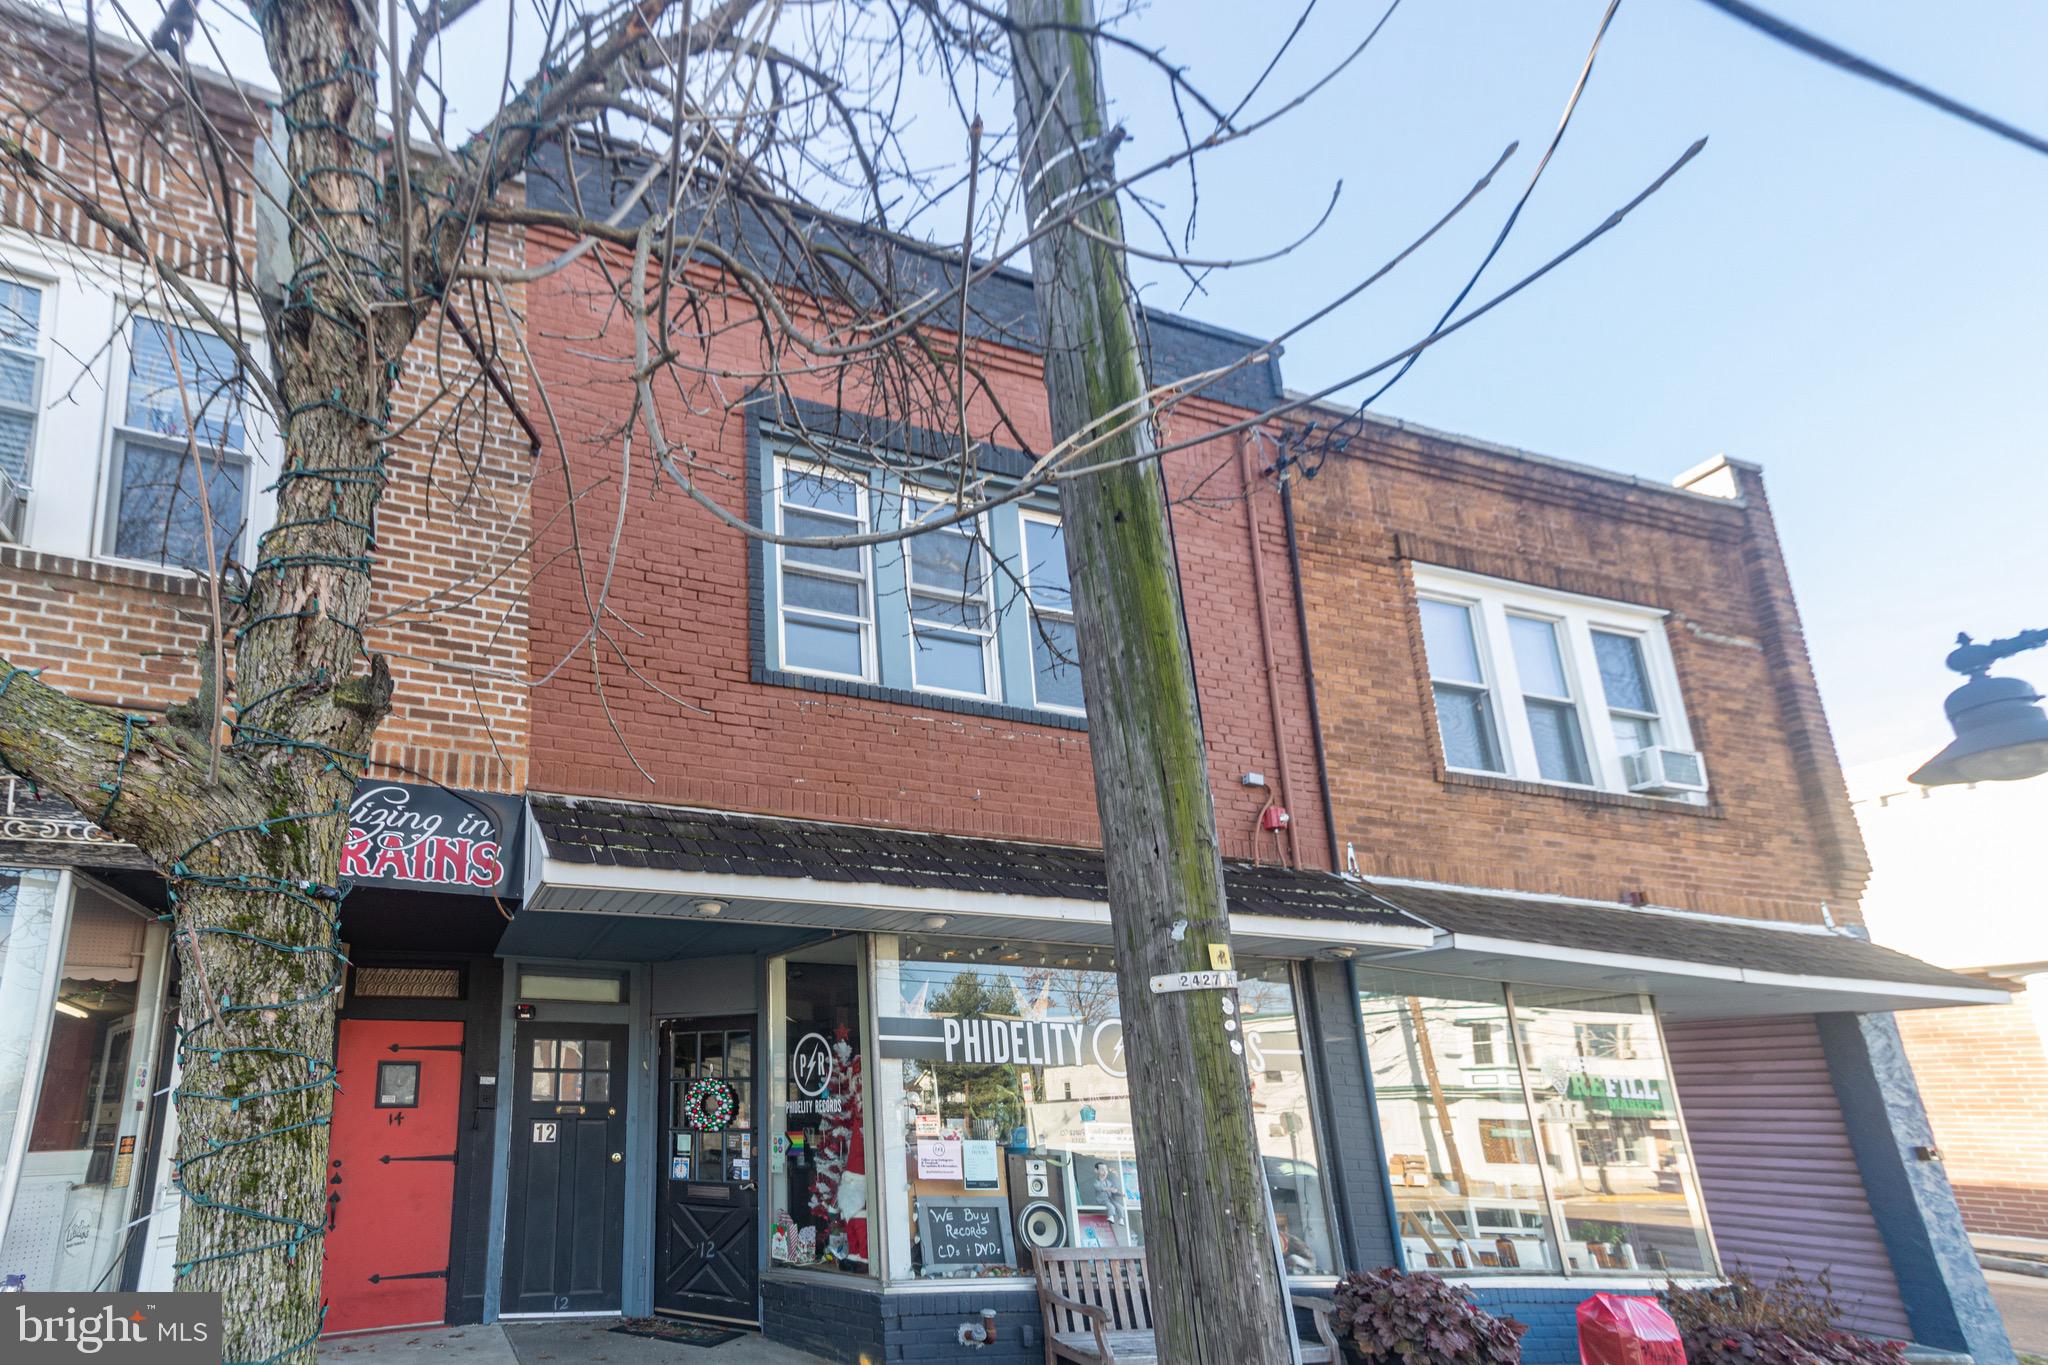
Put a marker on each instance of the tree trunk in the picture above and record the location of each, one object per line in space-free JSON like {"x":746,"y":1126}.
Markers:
{"x":1215,"y":1286}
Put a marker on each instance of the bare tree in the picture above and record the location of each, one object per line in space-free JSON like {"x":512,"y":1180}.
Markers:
{"x":747,"y":185}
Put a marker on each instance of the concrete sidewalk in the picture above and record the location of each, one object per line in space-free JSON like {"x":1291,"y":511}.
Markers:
{"x":539,"y":1343}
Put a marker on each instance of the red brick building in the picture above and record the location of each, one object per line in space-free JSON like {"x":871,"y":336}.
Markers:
{"x":99,"y":537}
{"x":795,"y":1006}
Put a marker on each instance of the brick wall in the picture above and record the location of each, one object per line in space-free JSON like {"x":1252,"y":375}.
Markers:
{"x":1777,"y":839}
{"x":451,"y":566}
{"x":1984,"y":1078}
{"x":677,"y":671}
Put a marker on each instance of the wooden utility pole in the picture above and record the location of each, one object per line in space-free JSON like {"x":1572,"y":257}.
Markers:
{"x":1215,"y":1285}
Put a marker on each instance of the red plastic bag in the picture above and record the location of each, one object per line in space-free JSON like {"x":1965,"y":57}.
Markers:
{"x":1622,"y":1329}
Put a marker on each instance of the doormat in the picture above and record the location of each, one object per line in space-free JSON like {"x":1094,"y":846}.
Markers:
{"x":674,"y":1329}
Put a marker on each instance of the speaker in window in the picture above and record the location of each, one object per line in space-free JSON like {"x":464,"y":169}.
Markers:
{"x":1042,"y":1227}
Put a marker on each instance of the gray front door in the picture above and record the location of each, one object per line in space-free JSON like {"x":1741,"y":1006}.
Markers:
{"x":565,"y":1219}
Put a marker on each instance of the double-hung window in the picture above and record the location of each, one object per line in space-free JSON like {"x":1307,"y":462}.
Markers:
{"x":827,"y":611}
{"x":1547,"y":686}
{"x":952,"y":619}
{"x":1055,"y":647}
{"x":1457,"y":678}
{"x":1547,"y":701}
{"x":21,"y":376}
{"x":1631,"y":701}
{"x":183,"y":399}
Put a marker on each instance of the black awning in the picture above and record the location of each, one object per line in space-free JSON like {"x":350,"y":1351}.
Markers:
{"x":673,"y":839}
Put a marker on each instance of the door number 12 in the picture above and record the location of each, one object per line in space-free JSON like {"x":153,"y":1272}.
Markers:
{"x":546,"y":1131}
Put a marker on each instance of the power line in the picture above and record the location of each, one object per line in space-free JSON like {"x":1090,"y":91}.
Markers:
{"x":1823,"y":50}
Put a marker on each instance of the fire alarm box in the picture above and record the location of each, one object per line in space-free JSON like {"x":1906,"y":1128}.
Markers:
{"x":1274,"y":817}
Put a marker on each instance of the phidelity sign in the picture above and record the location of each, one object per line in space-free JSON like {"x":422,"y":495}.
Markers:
{"x":399,"y":834}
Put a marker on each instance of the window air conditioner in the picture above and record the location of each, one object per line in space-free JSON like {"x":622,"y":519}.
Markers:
{"x":13,"y":509}
{"x":1663,"y":771}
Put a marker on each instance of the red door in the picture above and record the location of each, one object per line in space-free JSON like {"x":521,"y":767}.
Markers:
{"x":391,"y":1173}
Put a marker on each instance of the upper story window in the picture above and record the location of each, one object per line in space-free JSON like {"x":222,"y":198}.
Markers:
{"x":21,"y":375}
{"x":1552,"y":687}
{"x":1055,"y":648}
{"x":827,"y":608}
{"x":970,"y":609}
{"x":183,"y":397}
{"x":952,"y":616}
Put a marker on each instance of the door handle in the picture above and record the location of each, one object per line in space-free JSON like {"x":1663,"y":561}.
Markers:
{"x":617,"y":1157}
{"x":748,"y":1186}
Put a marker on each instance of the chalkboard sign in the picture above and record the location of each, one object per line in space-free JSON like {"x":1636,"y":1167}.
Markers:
{"x":957,"y":1233}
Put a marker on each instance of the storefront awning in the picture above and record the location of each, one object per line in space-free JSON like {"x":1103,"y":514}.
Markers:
{"x":615,"y":858}
{"x":1698,"y":966}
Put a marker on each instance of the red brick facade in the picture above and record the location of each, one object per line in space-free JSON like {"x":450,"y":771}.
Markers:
{"x":449,"y":610}
{"x":725,"y":741}
{"x":1981,"y":1073}
{"x":1776,"y":839}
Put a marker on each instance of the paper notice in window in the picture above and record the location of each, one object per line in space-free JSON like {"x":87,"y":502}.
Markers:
{"x":938,"y":1159}
{"x":978,"y":1165}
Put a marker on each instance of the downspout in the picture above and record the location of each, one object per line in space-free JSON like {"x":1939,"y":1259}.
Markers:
{"x":1284,"y":769}
{"x":1283,"y":469}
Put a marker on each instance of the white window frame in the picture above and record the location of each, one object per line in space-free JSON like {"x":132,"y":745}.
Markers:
{"x":1488,"y":686}
{"x":1492,"y":601}
{"x":975,"y":531}
{"x":1575,"y":687}
{"x":113,"y":452}
{"x":780,"y":472}
{"x":1033,"y":610}
{"x":46,"y":289}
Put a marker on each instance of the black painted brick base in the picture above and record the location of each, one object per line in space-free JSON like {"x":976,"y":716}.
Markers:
{"x":863,"y":1326}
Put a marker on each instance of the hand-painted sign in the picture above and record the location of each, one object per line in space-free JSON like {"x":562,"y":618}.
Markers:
{"x":400,"y":834}
{"x":428,"y":837}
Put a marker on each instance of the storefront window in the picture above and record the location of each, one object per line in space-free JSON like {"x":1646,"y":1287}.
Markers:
{"x":1619,"y":1170}
{"x":28,"y":917}
{"x":1006,"y":1115}
{"x":1461,"y":1155}
{"x":1529,"y":1128}
{"x":77,"y":1181}
{"x":817,"y":1163}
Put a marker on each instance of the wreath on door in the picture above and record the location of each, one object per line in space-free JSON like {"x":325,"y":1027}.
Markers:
{"x":709,"y":1105}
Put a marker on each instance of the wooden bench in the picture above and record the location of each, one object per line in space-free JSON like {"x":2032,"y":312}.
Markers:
{"x":1098,"y":1311}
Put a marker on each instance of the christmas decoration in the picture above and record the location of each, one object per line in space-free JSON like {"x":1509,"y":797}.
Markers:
{"x":709,"y":1105}
{"x":839,"y":1184}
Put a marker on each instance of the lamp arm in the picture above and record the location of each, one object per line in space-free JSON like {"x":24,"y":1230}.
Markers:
{"x":1973,"y":659}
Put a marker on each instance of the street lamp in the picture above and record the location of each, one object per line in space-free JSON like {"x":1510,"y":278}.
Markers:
{"x":2001,"y":734}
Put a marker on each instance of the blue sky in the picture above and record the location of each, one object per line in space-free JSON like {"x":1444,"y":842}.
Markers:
{"x":1846,"y":287}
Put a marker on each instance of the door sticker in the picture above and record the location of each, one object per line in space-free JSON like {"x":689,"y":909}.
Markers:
{"x":545,"y":1130}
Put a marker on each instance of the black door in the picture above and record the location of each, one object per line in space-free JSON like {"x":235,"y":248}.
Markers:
{"x":706,"y":1208}
{"x":565,"y":1221}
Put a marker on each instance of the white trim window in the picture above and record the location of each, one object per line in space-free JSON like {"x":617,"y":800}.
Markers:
{"x":826,"y":607}
{"x":21,"y":389}
{"x":952,"y":611}
{"x":1545,"y":686}
{"x":1457,"y":678}
{"x":1055,"y":647}
{"x":183,"y":389}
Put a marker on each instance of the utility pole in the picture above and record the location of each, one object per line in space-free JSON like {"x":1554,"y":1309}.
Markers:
{"x":1216,"y":1291}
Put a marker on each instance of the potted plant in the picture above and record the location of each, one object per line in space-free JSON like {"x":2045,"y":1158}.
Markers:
{"x":1394,"y":1317}
{"x":1608,"y":1240}
{"x":1785,"y":1321}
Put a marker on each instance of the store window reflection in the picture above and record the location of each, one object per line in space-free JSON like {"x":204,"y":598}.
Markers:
{"x":77,"y":1183}
{"x":1006,"y":1115}
{"x":1461,"y":1154}
{"x":1529,"y":1129}
{"x":1619,"y":1167}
